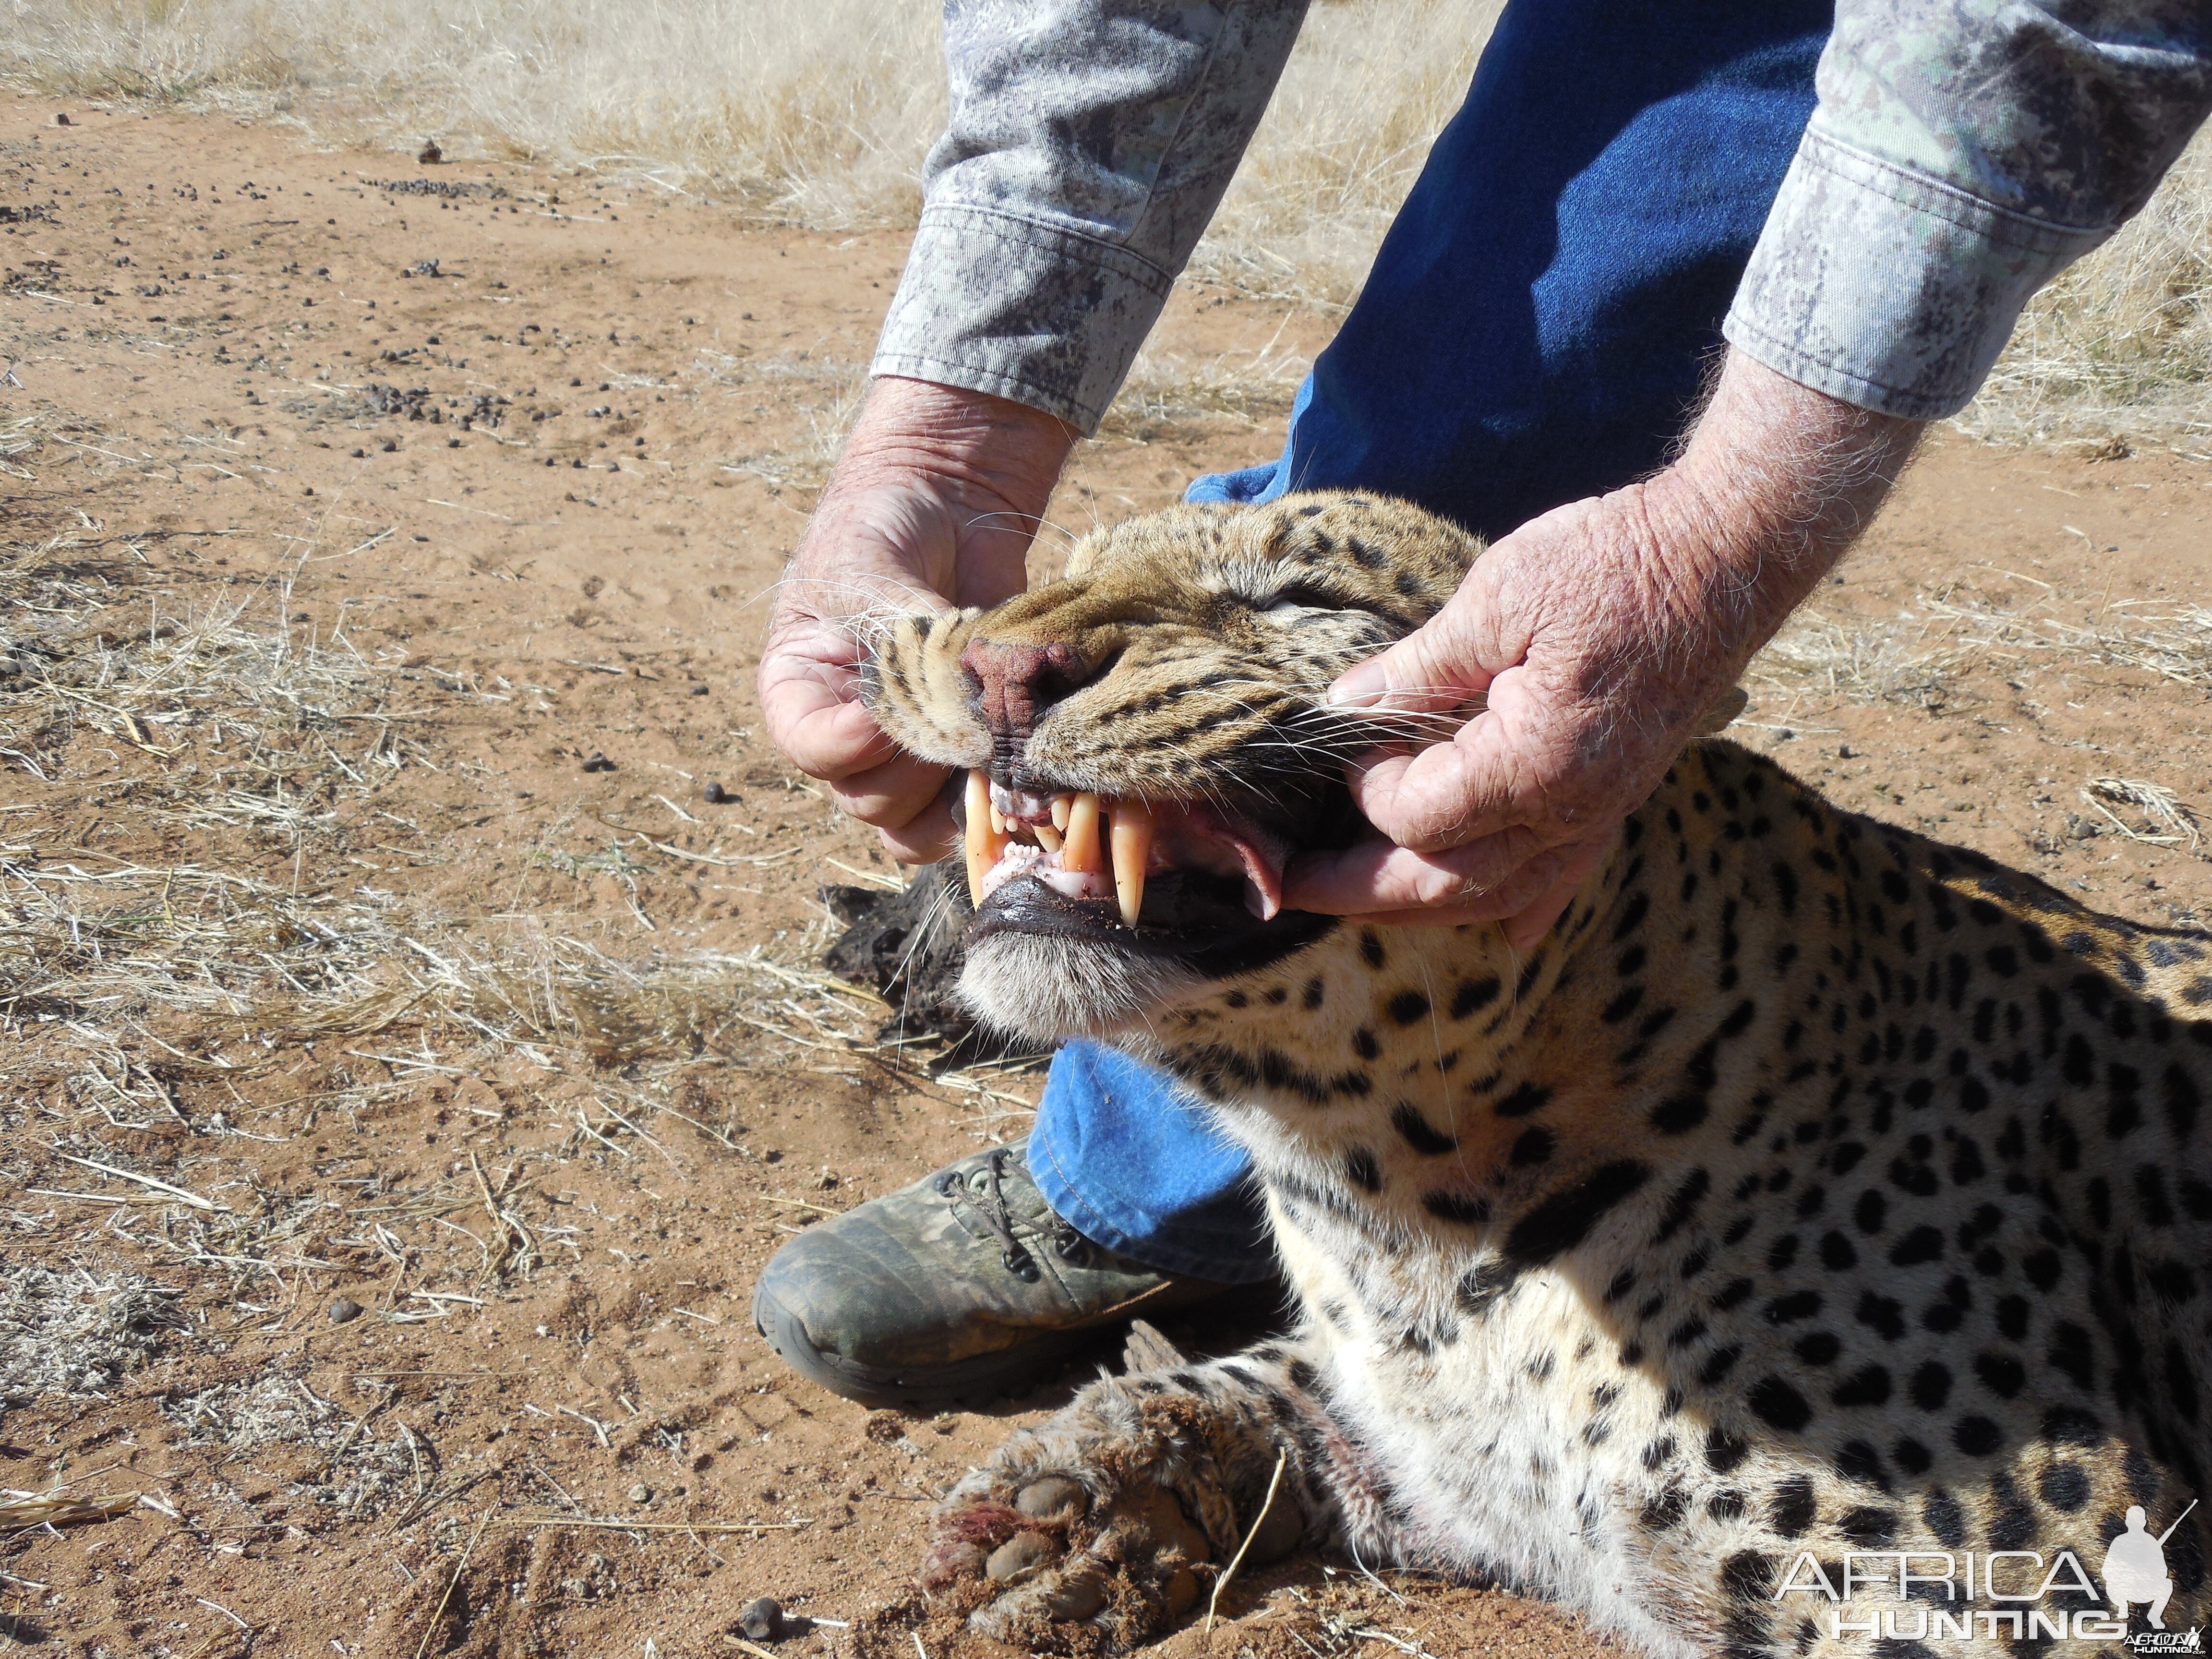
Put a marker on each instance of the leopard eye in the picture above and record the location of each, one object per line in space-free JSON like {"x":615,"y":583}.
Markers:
{"x":1304,"y":596}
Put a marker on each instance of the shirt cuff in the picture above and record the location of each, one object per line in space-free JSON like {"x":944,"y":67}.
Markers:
{"x":1039,"y":313}
{"x":1888,"y":289}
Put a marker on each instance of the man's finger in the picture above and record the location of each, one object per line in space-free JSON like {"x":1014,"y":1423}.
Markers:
{"x":892,"y":795}
{"x":1501,"y":904}
{"x":1376,"y":878}
{"x":926,"y":839}
{"x":1451,"y":793}
{"x":813,"y":713}
{"x":1433,"y":670}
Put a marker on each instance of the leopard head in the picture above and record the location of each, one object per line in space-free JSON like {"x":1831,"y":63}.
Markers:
{"x":1147,"y":744}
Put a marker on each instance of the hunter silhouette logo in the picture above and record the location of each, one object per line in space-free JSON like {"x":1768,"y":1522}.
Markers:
{"x":2135,"y":1568}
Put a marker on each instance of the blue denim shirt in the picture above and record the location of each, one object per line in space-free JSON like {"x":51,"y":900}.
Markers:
{"x":1962,"y":154}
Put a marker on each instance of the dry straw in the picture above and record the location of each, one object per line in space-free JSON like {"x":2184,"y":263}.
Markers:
{"x":54,"y":1510}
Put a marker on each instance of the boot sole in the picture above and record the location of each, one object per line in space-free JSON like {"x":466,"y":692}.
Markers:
{"x":964,"y":1383}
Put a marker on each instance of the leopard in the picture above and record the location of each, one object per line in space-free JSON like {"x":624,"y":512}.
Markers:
{"x":1802,"y":1249}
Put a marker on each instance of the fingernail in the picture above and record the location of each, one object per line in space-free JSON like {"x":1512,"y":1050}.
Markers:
{"x":1359,"y":688}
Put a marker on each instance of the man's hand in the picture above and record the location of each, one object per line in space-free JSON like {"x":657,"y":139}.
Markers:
{"x":1598,"y":634}
{"x":932,"y":506}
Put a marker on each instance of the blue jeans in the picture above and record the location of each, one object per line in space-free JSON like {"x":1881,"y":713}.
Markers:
{"x":1536,"y":330}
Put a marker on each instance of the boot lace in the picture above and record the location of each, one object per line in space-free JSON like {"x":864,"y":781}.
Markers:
{"x":997,"y":1215}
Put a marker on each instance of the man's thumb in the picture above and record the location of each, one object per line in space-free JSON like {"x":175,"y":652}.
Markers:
{"x":1431,"y":670}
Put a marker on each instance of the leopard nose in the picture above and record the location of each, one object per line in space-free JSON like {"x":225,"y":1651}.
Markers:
{"x":1017,"y":682}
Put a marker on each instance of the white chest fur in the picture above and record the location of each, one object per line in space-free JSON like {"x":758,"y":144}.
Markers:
{"x":1512,"y":1452}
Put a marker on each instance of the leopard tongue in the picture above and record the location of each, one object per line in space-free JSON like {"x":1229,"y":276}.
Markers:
{"x":1262,"y":853}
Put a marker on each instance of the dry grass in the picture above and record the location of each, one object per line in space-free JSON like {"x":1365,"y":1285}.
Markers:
{"x":253,"y":742}
{"x":1961,"y":648}
{"x":819,"y":113}
{"x":1166,"y":394}
{"x":1370,"y":85}
{"x":223,"y":712}
{"x":2163,"y":818}
{"x":20,"y":1509}
{"x":77,"y":1331}
{"x":366,"y":1467}
{"x":1953,"y":632}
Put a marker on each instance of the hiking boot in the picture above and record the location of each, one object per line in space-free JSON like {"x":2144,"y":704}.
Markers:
{"x":959,"y":1288}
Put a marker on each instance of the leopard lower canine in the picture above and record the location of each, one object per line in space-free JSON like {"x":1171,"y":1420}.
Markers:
{"x":1803,"y":1250}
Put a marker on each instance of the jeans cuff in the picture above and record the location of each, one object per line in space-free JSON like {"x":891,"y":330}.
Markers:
{"x":1225,"y":1253}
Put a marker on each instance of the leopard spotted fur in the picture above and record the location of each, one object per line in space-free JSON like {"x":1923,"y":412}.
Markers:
{"x":1813,"y":1189}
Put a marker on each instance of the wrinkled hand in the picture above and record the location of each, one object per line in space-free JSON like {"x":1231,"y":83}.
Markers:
{"x":1599,"y":634}
{"x":933,"y":505}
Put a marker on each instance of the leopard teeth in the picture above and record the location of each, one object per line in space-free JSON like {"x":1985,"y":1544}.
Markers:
{"x":1061,"y":806}
{"x":1131,"y":842}
{"x":986,"y":836}
{"x":1079,"y":849}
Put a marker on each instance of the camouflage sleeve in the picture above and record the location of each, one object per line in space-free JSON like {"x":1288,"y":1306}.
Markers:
{"x":1963,"y":153}
{"x":1089,"y":143}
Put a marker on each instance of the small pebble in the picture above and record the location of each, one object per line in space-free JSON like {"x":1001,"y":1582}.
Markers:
{"x":641,"y":1494}
{"x":714,"y":794}
{"x":345,"y":1310}
{"x":763,"y":1620}
{"x":595,"y":762}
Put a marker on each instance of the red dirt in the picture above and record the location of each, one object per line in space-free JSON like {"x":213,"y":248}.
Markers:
{"x":200,"y":441}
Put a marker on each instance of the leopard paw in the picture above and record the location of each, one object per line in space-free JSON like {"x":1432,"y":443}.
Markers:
{"x":1098,"y":1530}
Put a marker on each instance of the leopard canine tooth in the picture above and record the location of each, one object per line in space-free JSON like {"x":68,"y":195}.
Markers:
{"x":1131,"y":841}
{"x":984,"y":844}
{"x":1079,"y":850}
{"x":1047,"y":837}
{"x":1061,"y":806}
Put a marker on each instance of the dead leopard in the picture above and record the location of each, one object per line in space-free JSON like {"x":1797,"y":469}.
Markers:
{"x":1816,"y":1200}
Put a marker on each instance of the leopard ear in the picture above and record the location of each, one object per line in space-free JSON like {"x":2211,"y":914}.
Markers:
{"x":1724,"y":710}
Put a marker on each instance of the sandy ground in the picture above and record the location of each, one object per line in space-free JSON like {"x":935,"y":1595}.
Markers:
{"x":519,"y":509}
